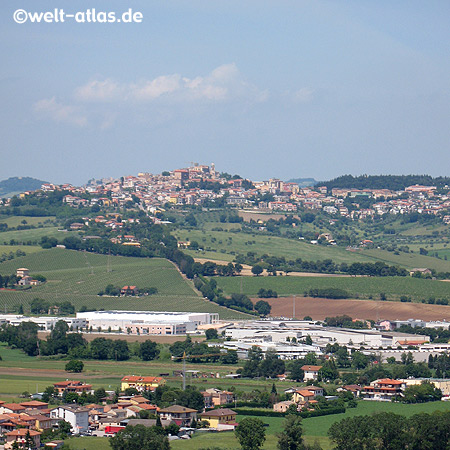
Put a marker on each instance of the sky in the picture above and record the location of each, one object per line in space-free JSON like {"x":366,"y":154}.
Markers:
{"x":262,"y":88}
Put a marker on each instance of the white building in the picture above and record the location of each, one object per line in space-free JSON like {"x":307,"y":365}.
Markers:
{"x":77,"y":416}
{"x":148,"y":322}
{"x":44,"y":323}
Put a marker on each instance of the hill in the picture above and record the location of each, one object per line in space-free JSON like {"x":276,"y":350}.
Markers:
{"x":78,"y":277}
{"x":393,"y":182}
{"x":14,"y":185}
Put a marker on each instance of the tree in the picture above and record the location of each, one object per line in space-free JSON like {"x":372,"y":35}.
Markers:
{"x":148,"y":350}
{"x":263,"y":308}
{"x":251,"y":433}
{"x":211,"y":333}
{"x":291,"y":436}
{"x":140,"y":438}
{"x":75,"y":366}
{"x":297,"y":373}
{"x":257,"y":270}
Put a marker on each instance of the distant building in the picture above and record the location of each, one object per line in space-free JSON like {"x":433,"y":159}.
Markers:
{"x":141,"y":383}
{"x":23,"y":272}
{"x":384,"y":389}
{"x":129,"y":290}
{"x":181,"y":415}
{"x":311,"y":372}
{"x":72,"y":386}
{"x":77,"y":416}
{"x":19,"y":436}
{"x":218,"y":417}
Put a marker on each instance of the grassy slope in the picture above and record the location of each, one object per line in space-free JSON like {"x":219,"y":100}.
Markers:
{"x":78,"y":277}
{"x":394,"y":287}
{"x":14,"y":221}
{"x":25,"y":248}
{"x":219,"y":245}
{"x":34,"y":234}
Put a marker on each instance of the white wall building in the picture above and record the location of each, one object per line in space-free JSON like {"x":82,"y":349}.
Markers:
{"x":150,"y":320}
{"x":78,"y":417}
{"x":44,"y":323}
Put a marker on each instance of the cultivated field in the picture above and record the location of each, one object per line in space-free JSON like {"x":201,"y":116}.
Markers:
{"x":79,"y":276}
{"x":319,"y":308}
{"x":358,"y":287}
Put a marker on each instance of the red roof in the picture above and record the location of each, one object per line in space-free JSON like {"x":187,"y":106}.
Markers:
{"x":311,"y":368}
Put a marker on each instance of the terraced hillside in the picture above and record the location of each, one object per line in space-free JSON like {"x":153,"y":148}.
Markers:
{"x":78,"y":277}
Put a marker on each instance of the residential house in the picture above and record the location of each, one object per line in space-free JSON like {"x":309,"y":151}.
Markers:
{"x":283,"y":406}
{"x":22,"y":272}
{"x":129,"y":290}
{"x":302,"y":395}
{"x":77,"y":416}
{"x":141,"y":383}
{"x":72,"y":386}
{"x":19,"y":437}
{"x":384,"y":389}
{"x":218,"y":417}
{"x":181,"y":415}
{"x":216,"y":397}
{"x":311,"y":372}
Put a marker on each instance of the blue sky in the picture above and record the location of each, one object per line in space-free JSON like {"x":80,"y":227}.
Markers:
{"x":285,"y":88}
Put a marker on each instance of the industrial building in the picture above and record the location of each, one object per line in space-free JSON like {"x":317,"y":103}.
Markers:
{"x":148,"y":322}
{"x":44,"y":323}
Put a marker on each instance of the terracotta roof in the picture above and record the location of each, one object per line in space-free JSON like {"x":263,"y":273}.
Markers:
{"x":311,"y":368}
{"x":305,"y":393}
{"x":33,"y":403}
{"x":23,"y":432}
{"x":13,"y":406}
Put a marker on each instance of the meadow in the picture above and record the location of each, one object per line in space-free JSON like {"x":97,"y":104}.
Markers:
{"x":79,"y":276}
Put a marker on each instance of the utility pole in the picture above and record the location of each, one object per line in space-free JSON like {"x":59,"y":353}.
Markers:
{"x":293,"y":307}
{"x":184,"y":371}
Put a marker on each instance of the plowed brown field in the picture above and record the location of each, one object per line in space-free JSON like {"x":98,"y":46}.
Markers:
{"x":319,"y":308}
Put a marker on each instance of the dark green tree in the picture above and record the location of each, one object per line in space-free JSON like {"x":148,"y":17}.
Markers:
{"x":251,"y":433}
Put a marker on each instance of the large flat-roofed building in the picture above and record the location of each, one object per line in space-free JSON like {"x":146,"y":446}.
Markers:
{"x":44,"y":323}
{"x":148,"y":322}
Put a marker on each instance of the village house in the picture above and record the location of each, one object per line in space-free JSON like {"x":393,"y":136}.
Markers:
{"x":72,"y":386}
{"x":77,"y":416}
{"x":216,"y":397}
{"x":219,"y":417}
{"x":311,"y":372}
{"x":141,"y":383}
{"x":19,"y":437}
{"x":283,"y":406}
{"x":181,"y":415}
{"x":129,"y":290}
{"x":384,"y":389}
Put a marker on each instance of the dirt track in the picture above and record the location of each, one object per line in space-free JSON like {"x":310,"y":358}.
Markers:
{"x":319,"y":308}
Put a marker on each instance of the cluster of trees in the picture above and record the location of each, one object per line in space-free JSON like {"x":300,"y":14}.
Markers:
{"x":115,"y":291}
{"x":438,"y":335}
{"x":389,"y":431}
{"x":10,"y":255}
{"x":278,"y":263}
{"x":335,"y":293}
{"x":140,"y":437}
{"x":8,"y":281}
{"x":40,"y":306}
{"x":51,"y":395}
{"x":260,"y":365}
{"x":164,"y":396}
{"x":197,"y":352}
{"x":344,"y":321}
{"x":24,"y":336}
{"x":267,"y":293}
{"x":392,"y":182}
{"x":421,"y":393}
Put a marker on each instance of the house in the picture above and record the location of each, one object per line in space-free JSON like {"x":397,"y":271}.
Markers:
{"x":34,"y":404}
{"x":216,"y":397}
{"x":311,"y":372}
{"x":77,"y":416}
{"x":141,"y":383}
{"x":353,"y":388}
{"x":7,"y":408}
{"x":181,"y":415}
{"x":283,"y":406}
{"x":19,"y":438}
{"x":129,"y":290}
{"x":22,"y":272}
{"x":218,"y":417}
{"x":421,"y":270}
{"x":72,"y":386}
{"x":317,"y":391}
{"x":302,"y":395}
{"x":384,"y":389}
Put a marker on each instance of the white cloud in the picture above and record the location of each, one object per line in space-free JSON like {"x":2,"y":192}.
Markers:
{"x":303,"y":95}
{"x":59,"y":112}
{"x":222,"y":84}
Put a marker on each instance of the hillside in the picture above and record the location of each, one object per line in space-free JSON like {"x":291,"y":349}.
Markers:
{"x":78,"y":277}
{"x":15,"y":185}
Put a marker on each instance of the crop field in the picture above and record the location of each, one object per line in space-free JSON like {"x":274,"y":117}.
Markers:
{"x":229,"y":242}
{"x":224,"y":245}
{"x":320,"y":308}
{"x":409,"y":260}
{"x":34,"y":235}
{"x":79,"y":276}
{"x":358,"y":287}
{"x":14,"y":221}
{"x":25,"y":248}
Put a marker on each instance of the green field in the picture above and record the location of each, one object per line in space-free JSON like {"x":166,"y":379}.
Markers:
{"x":34,"y":235}
{"x":222,"y":245}
{"x":14,"y":221}
{"x":79,"y":276}
{"x":25,"y":248}
{"x":364,"y":287}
